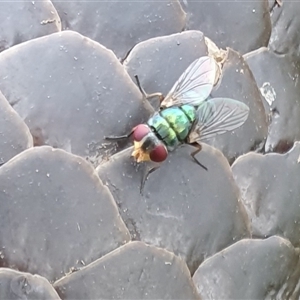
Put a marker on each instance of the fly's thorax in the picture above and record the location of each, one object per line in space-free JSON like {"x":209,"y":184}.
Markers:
{"x":178,"y":120}
{"x":163,"y":131}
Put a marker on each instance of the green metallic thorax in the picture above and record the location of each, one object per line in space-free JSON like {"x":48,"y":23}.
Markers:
{"x":172,"y":125}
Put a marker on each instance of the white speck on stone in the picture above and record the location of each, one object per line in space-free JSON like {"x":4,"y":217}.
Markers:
{"x":268,"y":93}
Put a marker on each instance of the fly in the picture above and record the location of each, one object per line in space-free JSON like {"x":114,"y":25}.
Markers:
{"x":186,"y":116}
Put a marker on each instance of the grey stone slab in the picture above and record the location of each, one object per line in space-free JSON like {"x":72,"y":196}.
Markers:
{"x":184,"y":208}
{"x":241,"y":25}
{"x":269,"y":186}
{"x":251,"y":269}
{"x":71,"y":92}
{"x":285,"y":28}
{"x":15,"y":136}
{"x":16,"y":285}
{"x":119,"y":25}
{"x":55,"y":214}
{"x":24,"y":20}
{"x":134,"y":271}
{"x":277,"y":78}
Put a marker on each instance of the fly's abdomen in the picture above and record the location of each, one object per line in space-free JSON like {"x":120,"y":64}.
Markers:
{"x":172,"y":125}
{"x":190,"y":112}
{"x":180,"y":119}
{"x":164,"y":131}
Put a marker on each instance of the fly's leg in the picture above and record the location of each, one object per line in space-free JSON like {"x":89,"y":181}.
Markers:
{"x":119,"y":138}
{"x":145,"y":177}
{"x":277,"y":3}
{"x":148,"y":96}
{"x":194,"y":153}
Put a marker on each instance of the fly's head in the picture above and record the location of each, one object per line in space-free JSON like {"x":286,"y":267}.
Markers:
{"x":147,"y":146}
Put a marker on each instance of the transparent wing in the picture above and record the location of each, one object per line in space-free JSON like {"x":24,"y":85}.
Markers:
{"x":194,"y":85}
{"x":217,"y":116}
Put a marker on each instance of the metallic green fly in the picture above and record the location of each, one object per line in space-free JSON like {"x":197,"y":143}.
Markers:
{"x":185,"y":116}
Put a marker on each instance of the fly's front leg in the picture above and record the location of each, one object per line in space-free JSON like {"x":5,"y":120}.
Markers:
{"x":119,"y":138}
{"x":194,"y":153}
{"x":148,"y":96}
{"x":145,"y":177}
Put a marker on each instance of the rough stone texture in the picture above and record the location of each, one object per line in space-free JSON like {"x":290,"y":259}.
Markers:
{"x":119,"y":25}
{"x":55,"y":214}
{"x":184,"y":208}
{"x":242,"y":25}
{"x":285,"y":29}
{"x":71,"y":92}
{"x":134,"y":271}
{"x":270,"y":192}
{"x":16,"y":285}
{"x":14,"y":133}
{"x":277,"y":77}
{"x":251,"y":269}
{"x":23,"y":20}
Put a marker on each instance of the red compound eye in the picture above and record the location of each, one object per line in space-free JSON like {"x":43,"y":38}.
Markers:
{"x":140,"y":131}
{"x":159,"y":153}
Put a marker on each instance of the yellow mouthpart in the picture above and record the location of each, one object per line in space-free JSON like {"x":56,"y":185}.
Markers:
{"x":138,"y":154}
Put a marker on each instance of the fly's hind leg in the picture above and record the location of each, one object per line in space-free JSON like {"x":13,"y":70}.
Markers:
{"x":148,"y":96}
{"x":194,"y":153}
